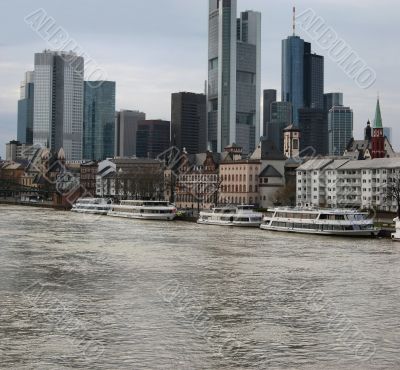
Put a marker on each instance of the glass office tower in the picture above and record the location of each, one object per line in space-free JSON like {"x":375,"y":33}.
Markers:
{"x":58,"y":102}
{"x":99,"y":120}
{"x":25,"y":110}
{"x":293,"y":74}
{"x":234,"y":76}
{"x":340,"y":129}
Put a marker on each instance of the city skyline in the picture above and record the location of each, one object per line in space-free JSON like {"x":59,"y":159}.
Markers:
{"x":145,"y":83}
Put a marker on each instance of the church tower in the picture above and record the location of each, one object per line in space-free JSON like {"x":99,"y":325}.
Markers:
{"x":378,"y":138}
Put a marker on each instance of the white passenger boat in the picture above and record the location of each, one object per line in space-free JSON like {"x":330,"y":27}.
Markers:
{"x":243,"y":216}
{"x":144,"y":209}
{"x":396,"y":235}
{"x":343,"y":222}
{"x":95,"y":206}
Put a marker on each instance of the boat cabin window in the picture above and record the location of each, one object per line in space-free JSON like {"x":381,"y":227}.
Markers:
{"x":332,"y":217}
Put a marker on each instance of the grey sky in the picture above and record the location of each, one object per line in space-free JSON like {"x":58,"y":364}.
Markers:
{"x":154,"y":48}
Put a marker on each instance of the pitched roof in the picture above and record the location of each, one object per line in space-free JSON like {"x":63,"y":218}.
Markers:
{"x":377,"y":163}
{"x":315,"y":164}
{"x":270,"y":171}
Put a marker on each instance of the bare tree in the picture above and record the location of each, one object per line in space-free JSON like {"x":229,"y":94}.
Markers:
{"x":393,"y":191}
{"x":286,"y":195}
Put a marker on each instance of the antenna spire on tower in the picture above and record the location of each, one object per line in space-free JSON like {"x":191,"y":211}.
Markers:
{"x":294,"y":21}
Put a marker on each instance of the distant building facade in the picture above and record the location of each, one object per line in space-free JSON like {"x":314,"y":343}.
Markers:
{"x":25,"y":110}
{"x":331,"y":100}
{"x":126,"y":123}
{"x":347,"y":183}
{"x":291,"y":147}
{"x":269,"y":97}
{"x":234,"y":76}
{"x":340,"y":129}
{"x":197,"y":182}
{"x":293,"y":74}
{"x":281,"y":117}
{"x":130,"y":178}
{"x":314,"y":132}
{"x":313,"y":78}
{"x":58,"y":102}
{"x":189,"y":122}
{"x":152,"y":138}
{"x":88,"y":174}
{"x":99,"y":120}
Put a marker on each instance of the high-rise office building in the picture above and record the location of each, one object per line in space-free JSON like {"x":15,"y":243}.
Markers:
{"x":293,"y":74}
{"x":25,"y":110}
{"x":332,"y":100}
{"x":281,"y":117}
{"x":313,"y":79}
{"x":313,"y":132}
{"x":152,"y":138}
{"x":188,"y":122}
{"x":302,"y":76}
{"x":340,"y":129}
{"x":58,"y":102}
{"x":98,"y":120}
{"x":126,"y":123}
{"x":269,"y":97}
{"x":234,"y":76}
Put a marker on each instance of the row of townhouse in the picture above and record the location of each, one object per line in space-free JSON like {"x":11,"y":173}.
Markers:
{"x":338,"y":182}
{"x":204,"y":180}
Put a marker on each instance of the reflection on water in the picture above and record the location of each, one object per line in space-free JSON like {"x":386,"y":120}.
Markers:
{"x":97,"y":292}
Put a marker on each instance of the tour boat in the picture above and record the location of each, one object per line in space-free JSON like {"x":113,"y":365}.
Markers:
{"x":343,"y":222}
{"x":144,"y":210}
{"x":396,"y":235}
{"x":243,"y":216}
{"x":95,"y":206}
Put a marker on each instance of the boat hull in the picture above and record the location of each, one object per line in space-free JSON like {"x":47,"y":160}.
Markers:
{"x":229,"y":223}
{"x":348,"y":233}
{"x":396,"y":237}
{"x":143,"y":216}
{"x":90,"y":212}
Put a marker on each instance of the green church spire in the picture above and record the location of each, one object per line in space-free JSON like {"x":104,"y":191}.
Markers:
{"x":378,"y":116}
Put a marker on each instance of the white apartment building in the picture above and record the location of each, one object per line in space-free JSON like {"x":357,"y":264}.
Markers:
{"x":329,"y":182}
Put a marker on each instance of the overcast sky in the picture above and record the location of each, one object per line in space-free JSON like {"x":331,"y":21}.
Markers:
{"x":154,"y":48}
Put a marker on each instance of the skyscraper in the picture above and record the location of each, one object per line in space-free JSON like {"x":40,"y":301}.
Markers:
{"x":234,"y":76}
{"x":313,"y":132}
{"x":188,"y":122}
{"x":58,"y":102}
{"x":25,"y":110}
{"x":268,"y":98}
{"x":126,"y":123}
{"x":340,"y":129}
{"x":281,"y":117}
{"x":152,"y":138}
{"x":99,"y":120}
{"x":313,"y":79}
{"x":293,"y":74}
{"x":302,"y":76}
{"x":331,"y":100}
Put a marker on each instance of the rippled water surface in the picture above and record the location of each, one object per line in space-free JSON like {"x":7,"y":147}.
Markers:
{"x":105,"y":293}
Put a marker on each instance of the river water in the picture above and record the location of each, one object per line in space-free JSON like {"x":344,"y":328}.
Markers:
{"x":95,"y":292}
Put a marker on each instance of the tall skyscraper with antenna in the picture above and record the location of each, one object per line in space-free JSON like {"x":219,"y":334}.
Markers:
{"x":302,"y":74}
